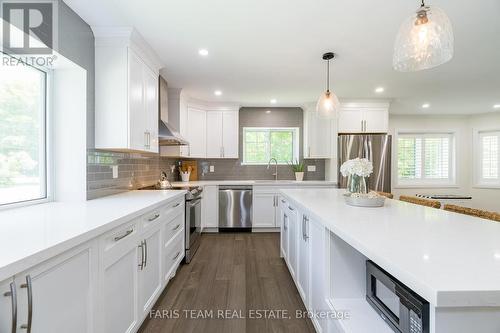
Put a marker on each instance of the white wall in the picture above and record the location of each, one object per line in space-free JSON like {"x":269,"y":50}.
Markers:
{"x":463,"y":127}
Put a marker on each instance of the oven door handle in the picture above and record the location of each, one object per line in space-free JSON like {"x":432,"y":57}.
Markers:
{"x":193,"y":202}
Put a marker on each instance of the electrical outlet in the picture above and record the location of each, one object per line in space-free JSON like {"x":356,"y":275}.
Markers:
{"x":212,"y":168}
{"x":114,"y":168}
{"x":311,"y":168}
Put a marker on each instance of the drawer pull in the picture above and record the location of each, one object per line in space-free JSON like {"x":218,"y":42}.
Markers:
{"x":176,"y":227}
{"x":157,"y":215}
{"x":283,"y":201}
{"x":291,"y":208}
{"x":176,"y":205}
{"x":177,"y":255}
{"x":128,"y":232}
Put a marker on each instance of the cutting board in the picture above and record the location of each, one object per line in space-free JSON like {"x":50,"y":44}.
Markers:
{"x":194,"y":169}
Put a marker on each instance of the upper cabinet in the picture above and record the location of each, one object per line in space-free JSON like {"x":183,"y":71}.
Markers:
{"x":196,"y":132}
{"x":222,"y":134}
{"x":126,"y":91}
{"x":318,"y":134}
{"x":364,"y":117}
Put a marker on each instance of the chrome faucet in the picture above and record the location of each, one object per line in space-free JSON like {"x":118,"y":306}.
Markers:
{"x":275,"y":174}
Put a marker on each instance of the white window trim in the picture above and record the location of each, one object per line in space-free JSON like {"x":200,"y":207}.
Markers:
{"x":48,"y":165}
{"x":296,"y":143}
{"x":425,"y":183}
{"x":478,"y":182}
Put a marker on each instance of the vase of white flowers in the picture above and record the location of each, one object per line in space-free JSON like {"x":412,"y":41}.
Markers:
{"x":357,"y":170}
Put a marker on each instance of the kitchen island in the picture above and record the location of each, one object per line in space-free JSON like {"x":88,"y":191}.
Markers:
{"x":450,"y":260}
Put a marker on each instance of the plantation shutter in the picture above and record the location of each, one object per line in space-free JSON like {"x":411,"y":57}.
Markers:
{"x":490,"y":155}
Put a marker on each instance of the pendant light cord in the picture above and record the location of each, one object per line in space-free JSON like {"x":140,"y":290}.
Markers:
{"x":423,"y":4}
{"x":328,"y":75}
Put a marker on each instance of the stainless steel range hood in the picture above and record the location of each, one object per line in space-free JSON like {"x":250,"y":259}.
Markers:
{"x":168,"y":135}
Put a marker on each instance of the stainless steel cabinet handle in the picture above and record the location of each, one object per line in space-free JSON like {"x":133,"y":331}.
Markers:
{"x":176,"y":205}
{"x":141,"y":265}
{"x":283,"y":201}
{"x":189,"y":150}
{"x":306,"y":226}
{"x":177,"y":255}
{"x":145,"y":253}
{"x":157,"y":215}
{"x":308,"y":151}
{"x":176,"y":227}
{"x":13,"y":295}
{"x":128,"y":232}
{"x":285,"y":220}
{"x":29,"y":290}
{"x":291,"y":208}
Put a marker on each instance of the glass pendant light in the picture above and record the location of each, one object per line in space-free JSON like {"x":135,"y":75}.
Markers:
{"x":425,"y":40}
{"x":328,"y":102}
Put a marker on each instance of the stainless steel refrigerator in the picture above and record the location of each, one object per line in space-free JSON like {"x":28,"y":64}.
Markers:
{"x":376,"y":148}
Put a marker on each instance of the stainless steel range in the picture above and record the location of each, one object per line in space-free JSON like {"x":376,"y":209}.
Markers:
{"x":192,"y":217}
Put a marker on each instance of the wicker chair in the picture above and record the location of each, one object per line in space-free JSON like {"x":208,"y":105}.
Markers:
{"x":420,"y":201}
{"x":385,"y":194}
{"x":473,"y":212}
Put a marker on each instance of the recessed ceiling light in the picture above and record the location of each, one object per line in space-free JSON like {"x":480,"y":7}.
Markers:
{"x":379,"y":90}
{"x":273,"y":101}
{"x":496,"y":106}
{"x":203,"y":52}
{"x":217,"y":93}
{"x":426,"y":106}
{"x":268,"y":111}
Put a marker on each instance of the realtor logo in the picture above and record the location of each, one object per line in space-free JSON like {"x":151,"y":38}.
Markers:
{"x":28,"y":26}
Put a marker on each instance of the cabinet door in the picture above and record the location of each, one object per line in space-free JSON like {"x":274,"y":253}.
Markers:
{"x":264,"y":210}
{"x":210,"y":207}
{"x":137,"y":115}
{"x":61,"y":293}
{"x":150,"y":280}
{"x":318,"y":292}
{"x":230,"y":130}
{"x":197,"y":132}
{"x":304,"y":260}
{"x":317,"y":136}
{"x":292,"y":242}
{"x":214,"y":134}
{"x":350,"y":121}
{"x":151,"y":106}
{"x":7,"y":300}
{"x":119,"y":281}
{"x":376,"y":121}
{"x":284,"y":233}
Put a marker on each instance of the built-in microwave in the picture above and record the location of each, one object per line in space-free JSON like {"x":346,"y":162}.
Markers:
{"x":398,"y":305}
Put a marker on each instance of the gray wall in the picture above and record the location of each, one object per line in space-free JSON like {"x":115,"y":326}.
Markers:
{"x":76,"y":42}
{"x":257,"y":117}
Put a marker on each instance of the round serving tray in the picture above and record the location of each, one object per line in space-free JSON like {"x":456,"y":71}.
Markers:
{"x":364,"y":202}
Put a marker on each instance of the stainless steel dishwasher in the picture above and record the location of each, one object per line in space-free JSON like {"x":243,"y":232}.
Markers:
{"x":235,"y":208}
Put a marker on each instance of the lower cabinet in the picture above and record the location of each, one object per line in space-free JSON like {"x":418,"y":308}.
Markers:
{"x":55,"y":296}
{"x":264,"y":210}
{"x":291,"y":259}
{"x":284,"y":225}
{"x":304,"y":259}
{"x":210,"y":207}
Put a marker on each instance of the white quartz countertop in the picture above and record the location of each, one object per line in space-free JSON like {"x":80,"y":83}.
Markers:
{"x":32,"y":234}
{"x":279,"y":183}
{"x":450,"y":259}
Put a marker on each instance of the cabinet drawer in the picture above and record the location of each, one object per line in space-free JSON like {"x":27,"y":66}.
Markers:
{"x":162,"y":214}
{"x":173,"y":208}
{"x":173,"y":254}
{"x":173,"y":227}
{"x":120,"y":236}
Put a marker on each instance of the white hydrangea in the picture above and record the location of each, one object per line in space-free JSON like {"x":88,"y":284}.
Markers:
{"x":359,"y":166}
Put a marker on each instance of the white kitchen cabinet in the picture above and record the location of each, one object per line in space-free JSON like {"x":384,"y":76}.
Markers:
{"x":317,"y":268}
{"x":304,"y":259}
{"x":222,"y":134}
{"x":293,"y":251}
{"x":230,"y":137}
{"x":197,"y":132}
{"x":8,"y":299}
{"x":150,"y":275}
{"x":283,"y":228}
{"x":126,"y":94}
{"x":122,"y":258}
{"x":265,"y":209}
{"x":364,"y":117}
{"x":318,"y":134}
{"x":210,"y":207}
{"x":59,"y":294}
{"x":214,"y":134}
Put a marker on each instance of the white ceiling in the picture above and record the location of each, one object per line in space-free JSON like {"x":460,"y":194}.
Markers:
{"x":272,"y":49}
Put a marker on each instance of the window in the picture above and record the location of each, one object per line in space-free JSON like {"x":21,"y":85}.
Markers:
{"x":425,"y":159}
{"x":262,"y":144}
{"x":489,"y":155}
{"x":23,"y":175}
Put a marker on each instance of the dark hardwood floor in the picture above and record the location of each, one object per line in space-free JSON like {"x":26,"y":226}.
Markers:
{"x":239,"y":272}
